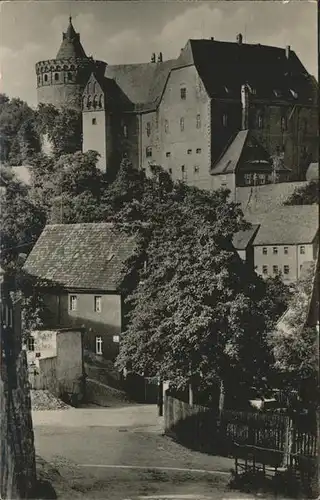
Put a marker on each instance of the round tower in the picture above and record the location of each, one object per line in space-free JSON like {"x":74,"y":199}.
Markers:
{"x":61,"y":81}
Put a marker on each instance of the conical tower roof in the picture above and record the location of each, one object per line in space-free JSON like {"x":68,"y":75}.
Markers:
{"x":71,"y":45}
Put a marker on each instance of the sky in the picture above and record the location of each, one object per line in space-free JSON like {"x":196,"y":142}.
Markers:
{"x":121,"y":32}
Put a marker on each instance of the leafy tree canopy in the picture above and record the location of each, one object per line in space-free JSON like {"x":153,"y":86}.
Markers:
{"x":305,"y":195}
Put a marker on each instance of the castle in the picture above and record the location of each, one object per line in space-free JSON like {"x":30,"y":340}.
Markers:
{"x":220,"y":114}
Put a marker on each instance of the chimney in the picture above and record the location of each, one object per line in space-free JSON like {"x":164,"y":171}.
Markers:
{"x":153,"y":57}
{"x":288,"y":51}
{"x":239,"y":39}
{"x":245,"y":107}
{"x":160,"y":57}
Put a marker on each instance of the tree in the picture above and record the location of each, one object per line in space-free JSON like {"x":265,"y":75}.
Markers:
{"x":305,"y":195}
{"x":198,"y":314}
{"x":19,"y":137}
{"x":21,"y":220}
{"x":62,"y":126}
{"x":294,"y":342}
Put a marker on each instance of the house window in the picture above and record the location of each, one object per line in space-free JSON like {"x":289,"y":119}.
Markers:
{"x":198,"y":122}
{"x":248,"y":179}
{"x":148,"y":129}
{"x":125,"y":131}
{"x":283,"y":123}
{"x":182,"y":124}
{"x":262,"y":179}
{"x":264,"y":251}
{"x":275,"y":250}
{"x":260,"y":121}
{"x":98,"y":345}
{"x":198,"y":151}
{"x":183,"y":93}
{"x":302,"y":250}
{"x":73,"y":299}
{"x":148,"y":151}
{"x":196,"y":169}
{"x":189,"y":151}
{"x":56,"y":76}
{"x":168,"y":154}
{"x":116,"y":339}
{"x":275,"y":269}
{"x":225,"y":120}
{"x":264,"y":269}
{"x":166,"y":126}
{"x":286,"y":250}
{"x":286,"y":269}
{"x":94,"y":121}
{"x":45,"y":78}
{"x":31,"y":344}
{"x":97,"y":303}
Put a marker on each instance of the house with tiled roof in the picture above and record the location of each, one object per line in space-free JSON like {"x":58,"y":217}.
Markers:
{"x":243,"y":243}
{"x":287,"y":238}
{"x":82,"y":270}
{"x":214,"y":103}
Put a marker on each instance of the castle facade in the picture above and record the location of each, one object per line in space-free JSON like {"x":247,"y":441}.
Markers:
{"x":220,"y":114}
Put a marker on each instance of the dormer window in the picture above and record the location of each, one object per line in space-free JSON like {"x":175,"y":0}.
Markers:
{"x":294,"y":93}
{"x":183,"y":93}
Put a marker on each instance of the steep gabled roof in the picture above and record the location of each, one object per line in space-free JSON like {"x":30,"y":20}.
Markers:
{"x":242,"y":152}
{"x":143,"y":83}
{"x":289,"y":225}
{"x":242,"y":239}
{"x":225,"y":66}
{"x":84,"y":256}
{"x":71,"y":46}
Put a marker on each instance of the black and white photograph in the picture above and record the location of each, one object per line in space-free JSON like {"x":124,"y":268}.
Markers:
{"x":159,"y":250}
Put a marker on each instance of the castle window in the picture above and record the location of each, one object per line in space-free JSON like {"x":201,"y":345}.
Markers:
{"x":166,"y":126}
{"x":148,"y":151}
{"x":198,"y":122}
{"x":283,"y":123}
{"x":189,"y":151}
{"x":183,"y":93}
{"x":275,"y":250}
{"x":45,"y":78}
{"x":196,"y":169}
{"x":125,"y":131}
{"x":225,"y":120}
{"x":56,"y":76}
{"x":148,"y":129}
{"x":31,"y":344}
{"x":94,"y":121}
{"x":168,"y":154}
{"x":69,"y":76}
{"x":260,"y":121}
{"x":198,"y":151}
{"x":182,"y":124}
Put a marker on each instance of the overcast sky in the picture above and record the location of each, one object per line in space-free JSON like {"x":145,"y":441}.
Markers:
{"x":123,"y":32}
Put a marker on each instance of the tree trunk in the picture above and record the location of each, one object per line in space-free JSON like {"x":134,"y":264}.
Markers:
{"x":221,"y":397}
{"x":190,"y":394}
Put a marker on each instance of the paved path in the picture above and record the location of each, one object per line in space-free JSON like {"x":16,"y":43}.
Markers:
{"x":122,"y":451}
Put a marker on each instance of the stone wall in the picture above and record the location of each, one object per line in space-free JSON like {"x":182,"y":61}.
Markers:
{"x":17,"y":464}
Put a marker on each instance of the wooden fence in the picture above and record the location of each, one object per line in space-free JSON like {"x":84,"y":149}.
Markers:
{"x":201,"y":428}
